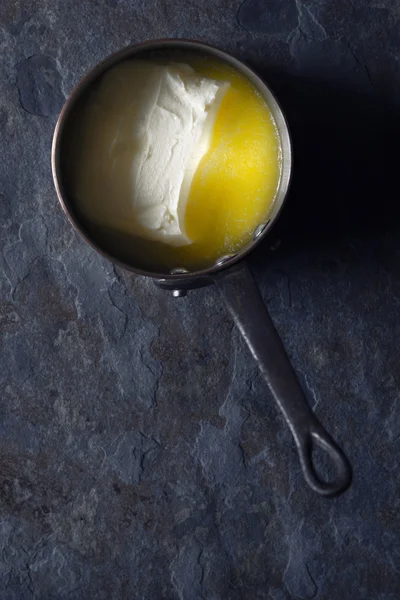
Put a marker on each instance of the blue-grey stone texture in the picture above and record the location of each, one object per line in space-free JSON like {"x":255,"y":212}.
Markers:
{"x":141,"y":455}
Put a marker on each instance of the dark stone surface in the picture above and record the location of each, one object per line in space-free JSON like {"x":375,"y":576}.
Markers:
{"x":141,"y":455}
{"x":38,"y":82}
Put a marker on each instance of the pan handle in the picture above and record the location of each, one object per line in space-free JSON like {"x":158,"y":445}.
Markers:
{"x":250,"y":314}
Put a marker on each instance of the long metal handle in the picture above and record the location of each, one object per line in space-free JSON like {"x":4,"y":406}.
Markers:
{"x":243,"y":299}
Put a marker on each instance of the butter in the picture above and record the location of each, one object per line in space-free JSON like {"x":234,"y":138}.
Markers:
{"x":146,"y":130}
{"x":232,"y":189}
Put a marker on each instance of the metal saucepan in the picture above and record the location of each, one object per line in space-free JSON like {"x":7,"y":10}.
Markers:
{"x":230,"y":273}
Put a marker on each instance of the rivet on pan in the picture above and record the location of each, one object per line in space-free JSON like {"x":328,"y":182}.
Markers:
{"x":179,"y":271}
{"x":224,"y":259}
{"x":259,"y":230}
{"x":179,"y":293}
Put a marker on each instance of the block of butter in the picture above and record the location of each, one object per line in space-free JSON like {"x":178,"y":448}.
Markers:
{"x":149,"y":126}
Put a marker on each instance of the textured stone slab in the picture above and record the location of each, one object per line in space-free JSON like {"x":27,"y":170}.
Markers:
{"x":140,"y":453}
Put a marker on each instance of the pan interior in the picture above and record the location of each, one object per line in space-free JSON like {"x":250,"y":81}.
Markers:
{"x":133,"y":252}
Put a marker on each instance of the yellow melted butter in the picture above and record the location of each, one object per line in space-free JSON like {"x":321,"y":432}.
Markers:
{"x":232,"y":192}
{"x":235,"y":184}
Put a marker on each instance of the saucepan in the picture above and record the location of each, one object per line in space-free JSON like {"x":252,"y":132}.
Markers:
{"x":229,"y":273}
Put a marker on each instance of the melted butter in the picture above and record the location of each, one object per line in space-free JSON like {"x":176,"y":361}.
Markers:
{"x":232,"y":192}
{"x":236,"y":182}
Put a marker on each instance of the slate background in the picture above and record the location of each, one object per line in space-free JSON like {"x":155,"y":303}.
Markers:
{"x":141,"y":455}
